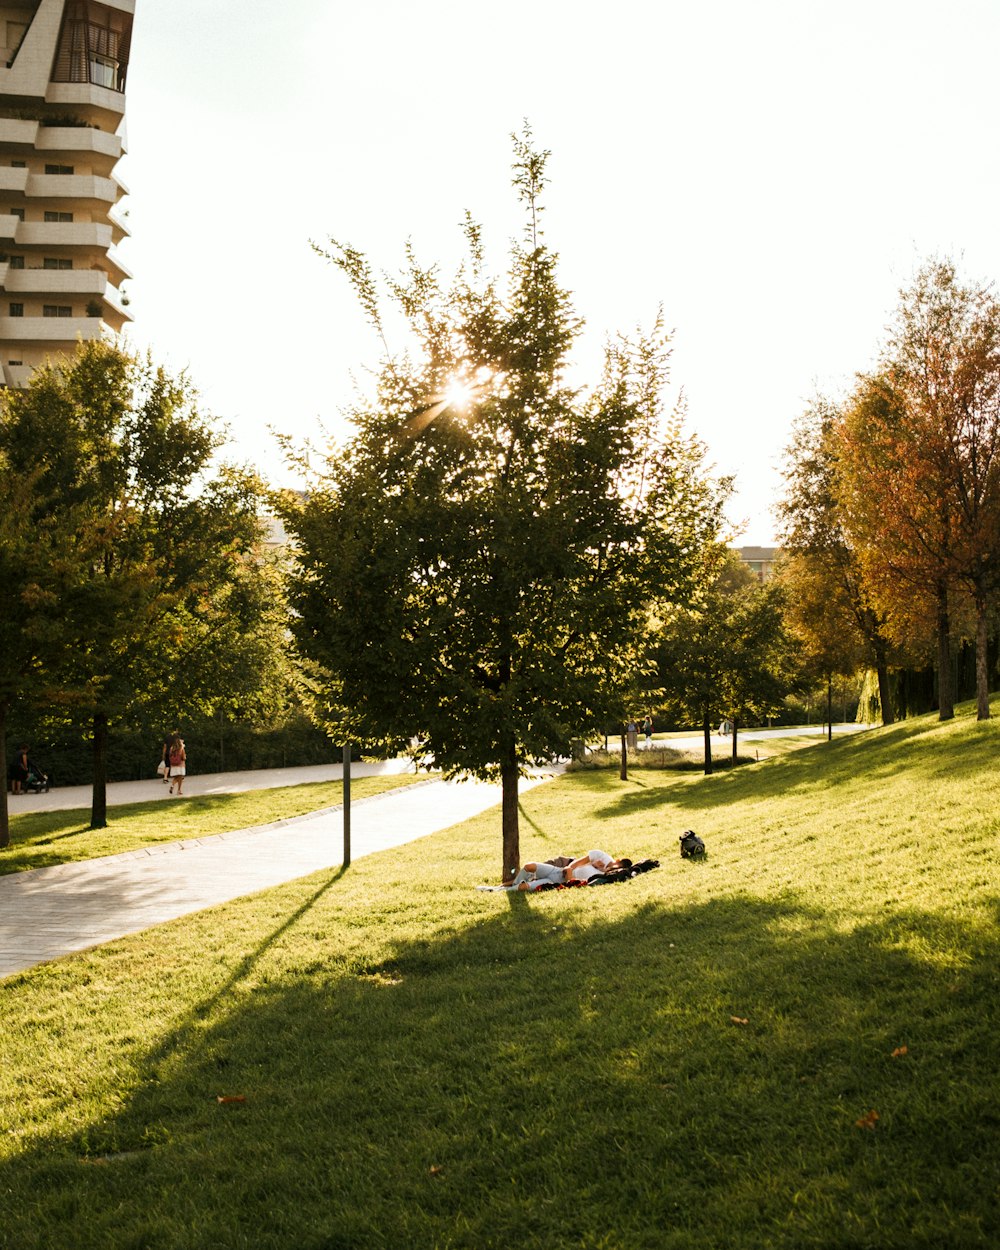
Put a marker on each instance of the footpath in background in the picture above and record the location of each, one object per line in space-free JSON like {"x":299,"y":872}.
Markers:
{"x":49,"y":912}
{"x":65,"y":798}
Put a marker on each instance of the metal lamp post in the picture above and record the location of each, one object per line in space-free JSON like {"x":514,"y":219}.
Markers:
{"x":347,"y":805}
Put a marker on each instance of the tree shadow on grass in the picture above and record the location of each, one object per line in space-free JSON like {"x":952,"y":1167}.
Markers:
{"x":710,"y":1066}
{"x":526,"y":816}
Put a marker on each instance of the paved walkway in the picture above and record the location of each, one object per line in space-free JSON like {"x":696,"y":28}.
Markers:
{"x":66,"y":797}
{"x":49,"y":912}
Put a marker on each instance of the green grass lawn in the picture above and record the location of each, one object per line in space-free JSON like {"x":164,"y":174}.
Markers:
{"x":790,"y":1045}
{"x":41,"y":839}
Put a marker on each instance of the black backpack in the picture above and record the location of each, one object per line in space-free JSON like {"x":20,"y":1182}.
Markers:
{"x":692,"y":846}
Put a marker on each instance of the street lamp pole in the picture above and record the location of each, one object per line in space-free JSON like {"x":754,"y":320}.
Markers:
{"x":347,"y":805}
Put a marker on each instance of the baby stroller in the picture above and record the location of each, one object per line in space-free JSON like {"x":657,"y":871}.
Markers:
{"x":37,"y":782}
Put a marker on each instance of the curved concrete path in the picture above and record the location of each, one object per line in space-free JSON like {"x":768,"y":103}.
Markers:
{"x":63,"y":798}
{"x":49,"y":912}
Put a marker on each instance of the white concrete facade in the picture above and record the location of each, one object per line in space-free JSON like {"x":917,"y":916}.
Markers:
{"x":63,"y":65}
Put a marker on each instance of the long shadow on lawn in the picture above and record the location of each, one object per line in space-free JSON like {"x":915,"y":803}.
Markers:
{"x":708,"y":1066}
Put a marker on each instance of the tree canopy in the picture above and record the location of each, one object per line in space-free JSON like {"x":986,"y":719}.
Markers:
{"x":476,"y":565}
{"x":830,"y":605}
{"x":921,"y":455}
{"x":154,"y":595}
{"x":724,"y":652}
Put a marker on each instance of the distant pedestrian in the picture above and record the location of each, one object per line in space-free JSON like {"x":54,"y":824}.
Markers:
{"x":178,"y":763}
{"x":19,"y":771}
{"x":164,"y":766}
{"x":632,"y":735}
{"x":647,"y":729}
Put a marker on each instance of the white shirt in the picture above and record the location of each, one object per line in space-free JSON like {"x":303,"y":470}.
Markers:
{"x":599,"y":861}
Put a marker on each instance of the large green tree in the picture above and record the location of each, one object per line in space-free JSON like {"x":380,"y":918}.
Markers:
{"x":475,"y":566}
{"x":26,"y":605}
{"x":155,"y":592}
{"x":761,"y":664}
{"x":724,"y":651}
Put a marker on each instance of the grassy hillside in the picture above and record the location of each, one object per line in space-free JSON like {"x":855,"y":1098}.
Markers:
{"x":792,"y":1044}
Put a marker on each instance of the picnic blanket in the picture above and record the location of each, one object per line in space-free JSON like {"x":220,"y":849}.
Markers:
{"x":602,"y":878}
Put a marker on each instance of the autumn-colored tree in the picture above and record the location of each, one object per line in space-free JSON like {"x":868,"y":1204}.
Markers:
{"x":921,"y":454}
{"x":831,"y":605}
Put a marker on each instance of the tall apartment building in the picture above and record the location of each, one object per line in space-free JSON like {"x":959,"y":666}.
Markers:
{"x":62,"y":104}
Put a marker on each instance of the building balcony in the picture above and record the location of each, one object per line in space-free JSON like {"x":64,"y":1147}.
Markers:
{"x":80,"y":187}
{"x":16,"y":132}
{"x":74,"y":139}
{"x":61,"y":234}
{"x":122,"y":6}
{"x":99,"y":105}
{"x":117,"y":272}
{"x":47,"y":329}
{"x":55,"y":281}
{"x":13,"y":180}
{"x":119,"y":227}
{"x":113,"y":312}
{"x":16,"y":376}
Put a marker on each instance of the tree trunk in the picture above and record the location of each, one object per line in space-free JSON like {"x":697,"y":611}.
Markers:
{"x":99,"y":797}
{"x":829,"y":707}
{"x":4,"y":813}
{"x":882,"y":673}
{"x":946,"y":694}
{"x":623,"y":770}
{"x":736,"y":726}
{"x":982,"y":666}
{"x":707,"y":730}
{"x":509,"y":778}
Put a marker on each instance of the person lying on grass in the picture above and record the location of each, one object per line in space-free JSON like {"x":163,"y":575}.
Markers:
{"x":582,"y":869}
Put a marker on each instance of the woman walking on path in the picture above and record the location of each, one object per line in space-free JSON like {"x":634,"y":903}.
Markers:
{"x":20,"y":771}
{"x":165,"y":756}
{"x":178,"y":763}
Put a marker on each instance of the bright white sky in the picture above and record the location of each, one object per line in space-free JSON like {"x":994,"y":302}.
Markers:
{"x":771,"y":172}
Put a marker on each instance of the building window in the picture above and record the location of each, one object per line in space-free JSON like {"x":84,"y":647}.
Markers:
{"x":50,"y":215}
{"x":57,"y":310}
{"x":17,"y":310}
{"x":16,"y":262}
{"x":19,"y":164}
{"x":103,"y":71}
{"x":58,"y":169}
{"x":93,"y":45}
{"x":14,"y":362}
{"x":57,"y":262}
{"x":16,"y":212}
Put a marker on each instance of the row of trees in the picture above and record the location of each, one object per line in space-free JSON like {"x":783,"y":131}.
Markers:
{"x":133,"y":580}
{"x":891,"y":516}
{"x":498,"y":561}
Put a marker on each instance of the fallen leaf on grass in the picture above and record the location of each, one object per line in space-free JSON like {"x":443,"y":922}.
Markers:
{"x":436,"y":1169}
{"x":739,"y":1020}
{"x":230,"y":1098}
{"x":900,"y":1050}
{"x":867,"y":1121}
